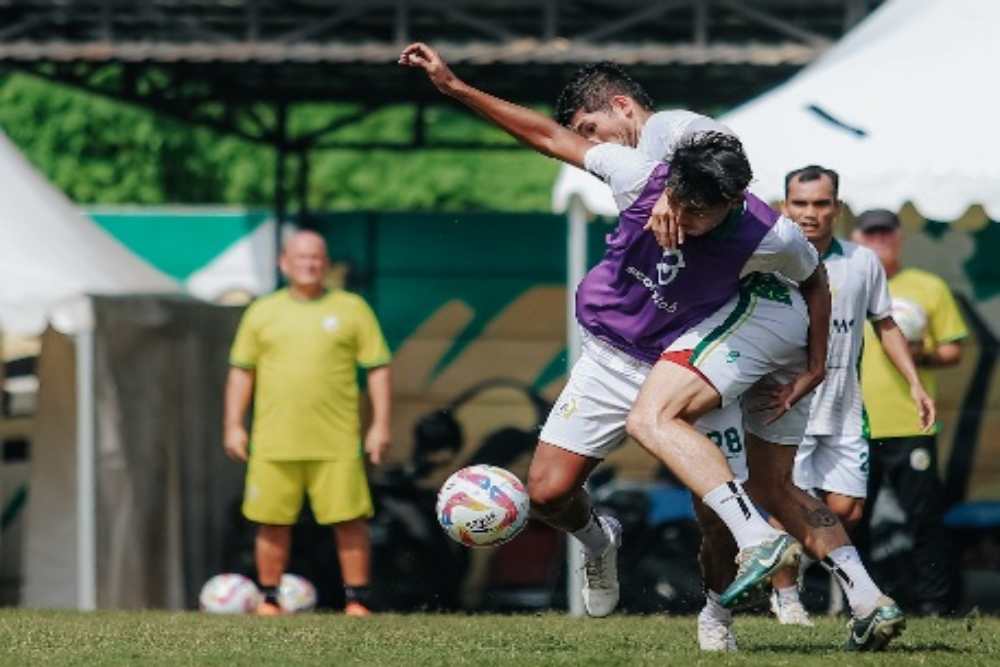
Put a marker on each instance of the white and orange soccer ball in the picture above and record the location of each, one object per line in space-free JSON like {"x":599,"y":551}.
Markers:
{"x":229,"y":594}
{"x":296,"y":593}
{"x":482,"y":506}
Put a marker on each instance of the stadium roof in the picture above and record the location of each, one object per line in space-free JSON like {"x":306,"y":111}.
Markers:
{"x":176,"y":55}
{"x":240,"y":65}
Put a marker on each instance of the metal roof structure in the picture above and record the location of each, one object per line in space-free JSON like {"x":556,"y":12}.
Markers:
{"x":239,"y":66}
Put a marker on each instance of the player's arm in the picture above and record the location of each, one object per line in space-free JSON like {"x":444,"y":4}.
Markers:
{"x":527,"y":126}
{"x":941,"y":356}
{"x":816,"y":293}
{"x":239,"y":391}
{"x":380,"y":394}
{"x":898,"y":350}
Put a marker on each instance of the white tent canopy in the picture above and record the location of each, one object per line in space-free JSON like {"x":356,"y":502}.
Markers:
{"x":903,"y":107}
{"x":51,"y":257}
{"x":50,"y":253}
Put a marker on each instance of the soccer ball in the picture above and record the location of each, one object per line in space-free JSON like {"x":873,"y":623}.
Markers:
{"x":482,"y":506}
{"x":229,"y":594}
{"x":911,"y":319}
{"x":296,"y":593}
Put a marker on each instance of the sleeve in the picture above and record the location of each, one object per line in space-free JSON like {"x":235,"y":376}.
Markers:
{"x":946,"y":322}
{"x":665,"y":129}
{"x":784,"y":250}
{"x":624,"y":169}
{"x":246,"y":345}
{"x":879,"y":301}
{"x":372,"y":348}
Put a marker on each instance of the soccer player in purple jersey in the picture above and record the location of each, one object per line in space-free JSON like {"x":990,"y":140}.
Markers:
{"x":711,"y":184}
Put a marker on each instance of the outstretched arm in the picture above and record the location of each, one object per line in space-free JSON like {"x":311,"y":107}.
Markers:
{"x":527,"y":126}
{"x":898,"y":351}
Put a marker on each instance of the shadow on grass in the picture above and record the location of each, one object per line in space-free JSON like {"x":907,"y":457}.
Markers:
{"x":817,"y":648}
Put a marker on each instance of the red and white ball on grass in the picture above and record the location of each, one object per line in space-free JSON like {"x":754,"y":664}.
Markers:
{"x":229,"y":594}
{"x":482,"y":506}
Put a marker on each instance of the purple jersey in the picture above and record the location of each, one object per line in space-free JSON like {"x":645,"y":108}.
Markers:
{"x":640,"y":298}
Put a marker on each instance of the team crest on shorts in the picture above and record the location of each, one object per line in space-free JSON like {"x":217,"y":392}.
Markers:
{"x":920,"y":459}
{"x":567,"y":409}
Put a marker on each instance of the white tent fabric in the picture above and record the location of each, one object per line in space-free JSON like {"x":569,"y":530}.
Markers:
{"x":50,"y":253}
{"x":903,"y":107}
{"x":246,"y":266}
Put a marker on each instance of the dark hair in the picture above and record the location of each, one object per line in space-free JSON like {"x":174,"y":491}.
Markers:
{"x":707,"y":169}
{"x":592,"y":88}
{"x":812,"y":172}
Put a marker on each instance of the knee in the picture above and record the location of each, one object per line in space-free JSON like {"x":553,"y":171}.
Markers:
{"x":645,"y":422}
{"x":848,"y":510}
{"x":640,"y":423}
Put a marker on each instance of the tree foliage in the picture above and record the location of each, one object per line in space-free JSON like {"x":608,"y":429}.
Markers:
{"x":100,"y":151}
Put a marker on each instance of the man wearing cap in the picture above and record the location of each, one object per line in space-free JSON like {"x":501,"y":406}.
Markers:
{"x":903,"y":456}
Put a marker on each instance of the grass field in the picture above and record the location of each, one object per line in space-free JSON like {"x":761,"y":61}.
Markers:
{"x":119,"y":638}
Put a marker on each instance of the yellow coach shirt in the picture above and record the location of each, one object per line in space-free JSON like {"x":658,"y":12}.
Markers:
{"x":305,"y":356}
{"x":891,"y":412}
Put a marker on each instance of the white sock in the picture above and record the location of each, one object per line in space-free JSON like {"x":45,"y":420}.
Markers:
{"x":862,"y":593}
{"x":714,"y":610}
{"x":737,"y":511}
{"x":592,"y":536}
{"x":788,"y":595}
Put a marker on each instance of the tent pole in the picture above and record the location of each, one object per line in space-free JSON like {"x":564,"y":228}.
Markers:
{"x":86,"y":473}
{"x":576,"y":268}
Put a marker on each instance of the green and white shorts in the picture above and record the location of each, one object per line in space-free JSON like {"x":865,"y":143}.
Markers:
{"x":835,"y":463}
{"x":760,"y":333}
{"x":589,"y":416}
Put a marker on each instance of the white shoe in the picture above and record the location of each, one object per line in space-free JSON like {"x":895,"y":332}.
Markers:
{"x":789,"y":612}
{"x":600,"y":573}
{"x":715,"y":635}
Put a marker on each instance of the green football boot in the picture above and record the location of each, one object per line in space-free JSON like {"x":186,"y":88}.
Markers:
{"x":756,"y":565}
{"x":877,"y":629}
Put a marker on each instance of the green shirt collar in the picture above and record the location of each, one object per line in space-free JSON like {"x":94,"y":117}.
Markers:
{"x":834,"y":249}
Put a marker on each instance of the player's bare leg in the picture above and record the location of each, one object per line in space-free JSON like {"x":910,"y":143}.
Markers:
{"x":877,"y":618}
{"x":672,"y":398}
{"x":271,"y":549}
{"x":354,"y":554}
{"x":558,"y":497}
{"x":785,"y":602}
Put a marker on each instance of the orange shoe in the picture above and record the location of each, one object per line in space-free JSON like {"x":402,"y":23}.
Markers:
{"x":354,"y":608}
{"x":269,"y":609}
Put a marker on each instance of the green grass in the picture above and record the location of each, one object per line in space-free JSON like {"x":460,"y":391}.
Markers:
{"x":121,"y":638}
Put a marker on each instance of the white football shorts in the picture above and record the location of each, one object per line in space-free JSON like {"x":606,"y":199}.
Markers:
{"x":589,"y":415}
{"x":760,"y":333}
{"x":835,"y":463}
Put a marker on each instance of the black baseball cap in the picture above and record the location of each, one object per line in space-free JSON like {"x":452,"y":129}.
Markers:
{"x":877,"y":218}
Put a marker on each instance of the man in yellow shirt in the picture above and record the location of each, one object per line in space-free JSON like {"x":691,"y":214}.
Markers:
{"x":296,"y":353}
{"x":902,"y":454}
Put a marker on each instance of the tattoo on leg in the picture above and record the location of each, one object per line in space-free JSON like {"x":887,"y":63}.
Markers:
{"x":821,"y":517}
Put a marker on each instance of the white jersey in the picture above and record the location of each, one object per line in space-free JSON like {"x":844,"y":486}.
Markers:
{"x":860,"y":292}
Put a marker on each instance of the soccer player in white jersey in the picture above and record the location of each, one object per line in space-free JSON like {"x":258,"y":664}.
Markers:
{"x":832,"y":460}
{"x":624,"y":117}
{"x":629,"y":311}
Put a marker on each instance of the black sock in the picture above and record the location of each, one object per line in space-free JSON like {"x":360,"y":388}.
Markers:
{"x":360,"y":594}
{"x":270,"y":594}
